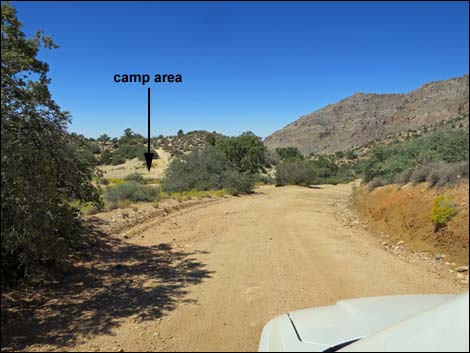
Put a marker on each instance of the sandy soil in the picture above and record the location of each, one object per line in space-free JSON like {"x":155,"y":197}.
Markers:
{"x":134,"y":165}
{"x":211,"y":276}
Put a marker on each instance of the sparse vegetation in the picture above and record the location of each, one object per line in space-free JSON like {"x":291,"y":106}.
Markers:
{"x":135,"y":178}
{"x":128,"y":192}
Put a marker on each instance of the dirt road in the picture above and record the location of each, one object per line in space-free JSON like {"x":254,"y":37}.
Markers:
{"x":209,"y":278}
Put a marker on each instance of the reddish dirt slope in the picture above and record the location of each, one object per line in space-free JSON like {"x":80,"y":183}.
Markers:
{"x":403,"y":212}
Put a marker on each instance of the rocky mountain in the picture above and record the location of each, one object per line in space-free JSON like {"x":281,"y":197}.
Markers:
{"x":362,"y":118}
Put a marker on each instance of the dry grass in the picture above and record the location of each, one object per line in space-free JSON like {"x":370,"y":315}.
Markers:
{"x":120,"y":171}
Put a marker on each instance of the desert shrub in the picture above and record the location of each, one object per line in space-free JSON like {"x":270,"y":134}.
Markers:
{"x":205,"y":169}
{"x":136,"y":178}
{"x":444,"y":208}
{"x":117,"y":159}
{"x":295,"y":173}
{"x":387,"y":161}
{"x":308,"y":172}
{"x":440,"y":173}
{"x":404,"y":177}
{"x":375,"y":183}
{"x":462,"y":170}
{"x":263,"y":179}
{"x":445,"y":174}
{"x":106,"y":157}
{"x":421,"y":173}
{"x":129,"y":192}
{"x":238,"y":183}
{"x":351,"y":155}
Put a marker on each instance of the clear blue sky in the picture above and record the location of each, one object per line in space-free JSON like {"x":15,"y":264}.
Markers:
{"x":246,"y":66}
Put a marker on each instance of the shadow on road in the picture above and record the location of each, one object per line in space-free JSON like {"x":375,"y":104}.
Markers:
{"x":113,"y":280}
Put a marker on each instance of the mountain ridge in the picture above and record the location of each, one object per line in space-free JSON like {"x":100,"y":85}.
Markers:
{"x":364,"y":117}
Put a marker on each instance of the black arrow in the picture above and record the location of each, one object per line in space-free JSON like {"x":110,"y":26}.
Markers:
{"x":148,"y":155}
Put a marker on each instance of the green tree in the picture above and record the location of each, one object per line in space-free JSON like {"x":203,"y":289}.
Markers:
{"x":289,"y":154}
{"x":246,"y":152}
{"x":42,"y":169}
{"x":104,"y":138}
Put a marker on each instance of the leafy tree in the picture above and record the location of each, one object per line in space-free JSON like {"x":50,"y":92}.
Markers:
{"x":128,"y":132}
{"x":291,"y":154}
{"x":104,"y":138}
{"x":42,"y":168}
{"x":180,"y":132}
{"x":246,"y":152}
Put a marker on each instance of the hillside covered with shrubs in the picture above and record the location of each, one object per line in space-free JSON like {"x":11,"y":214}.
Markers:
{"x":439,"y":158}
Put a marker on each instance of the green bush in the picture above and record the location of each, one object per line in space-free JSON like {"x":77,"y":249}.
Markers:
{"x":130,"y":192}
{"x":308,"y":172}
{"x":205,"y":169}
{"x":289,"y":154}
{"x":135,"y":177}
{"x":117,"y":159}
{"x":351,"y":155}
{"x":106,"y":157}
{"x":388,"y":161}
{"x":295,"y":173}
{"x":444,"y":208}
{"x":247,"y":153}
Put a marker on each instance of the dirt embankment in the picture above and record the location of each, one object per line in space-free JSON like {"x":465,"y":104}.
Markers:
{"x":403,"y":213}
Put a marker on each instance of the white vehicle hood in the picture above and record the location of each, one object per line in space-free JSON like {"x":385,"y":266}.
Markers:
{"x":324,"y":328}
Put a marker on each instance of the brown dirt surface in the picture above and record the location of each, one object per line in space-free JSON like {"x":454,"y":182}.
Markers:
{"x":404,"y":213}
{"x":209,"y":277}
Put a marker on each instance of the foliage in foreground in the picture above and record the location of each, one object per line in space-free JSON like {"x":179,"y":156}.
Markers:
{"x":42,"y":167}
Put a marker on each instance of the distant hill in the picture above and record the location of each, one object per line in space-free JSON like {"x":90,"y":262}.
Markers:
{"x":362,"y":118}
{"x":186,"y":142}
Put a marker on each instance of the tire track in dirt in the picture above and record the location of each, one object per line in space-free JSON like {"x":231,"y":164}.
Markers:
{"x":280,"y":250}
